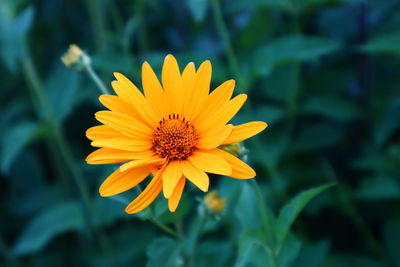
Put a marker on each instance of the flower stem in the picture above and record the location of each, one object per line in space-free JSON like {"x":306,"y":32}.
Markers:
{"x":63,"y":149}
{"x":267,"y":221}
{"x":194,"y":237}
{"x":224,"y":35}
{"x":164,"y":227}
{"x":96,"y":79}
{"x":157,"y":223}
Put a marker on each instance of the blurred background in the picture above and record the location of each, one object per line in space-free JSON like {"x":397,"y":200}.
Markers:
{"x":324,"y":74}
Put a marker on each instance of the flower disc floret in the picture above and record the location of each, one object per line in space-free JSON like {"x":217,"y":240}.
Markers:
{"x":174,"y":138}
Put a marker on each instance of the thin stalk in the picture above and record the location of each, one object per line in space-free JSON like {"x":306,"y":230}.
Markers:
{"x":99,"y":83}
{"x":164,"y":227}
{"x":267,"y":220}
{"x":194,"y":237}
{"x":157,"y":223}
{"x":224,"y":35}
{"x":64,"y":151}
{"x":142,"y":32}
{"x":95,"y":9}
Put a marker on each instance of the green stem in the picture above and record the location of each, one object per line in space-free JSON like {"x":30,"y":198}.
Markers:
{"x":99,"y":83}
{"x":224,"y":35}
{"x":164,"y":227}
{"x":266,"y":216}
{"x":96,"y":15}
{"x":194,"y":237}
{"x":142,"y":32}
{"x":66,"y":155}
{"x":154,"y":220}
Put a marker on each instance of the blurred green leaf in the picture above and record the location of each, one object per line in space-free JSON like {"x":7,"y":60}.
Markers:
{"x":313,"y":254}
{"x":62,"y":91}
{"x":239,"y":5}
{"x":198,"y":9}
{"x":290,"y":211}
{"x":295,"y":48}
{"x":270,"y":114}
{"x":391,"y":236}
{"x":289,"y":252}
{"x":252,"y":250}
{"x":20,"y":134}
{"x":332,"y":107}
{"x":13,"y":32}
{"x":48,"y":224}
{"x":384,"y":43}
{"x":247,"y":211}
{"x":378,"y":188}
{"x":164,"y":251}
{"x":317,"y":136}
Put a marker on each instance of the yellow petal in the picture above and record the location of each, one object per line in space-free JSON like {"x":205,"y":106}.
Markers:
{"x":172,"y":83}
{"x":153,"y":91}
{"x":240,"y":170}
{"x":200,"y":90}
{"x":154,"y":161}
{"x":188,"y":80}
{"x":124,"y":124}
{"x":131,"y":94}
{"x":173,"y":201}
{"x":219,"y":97}
{"x":223,"y":116}
{"x":210,"y":162}
{"x":117,"y":104}
{"x":244,"y":131}
{"x":171,"y":176}
{"x":101,"y":132}
{"x":198,"y":177}
{"x":123,"y":143}
{"x":119,"y":182}
{"x":215,"y":137}
{"x":108,"y":155}
{"x":148,"y":195}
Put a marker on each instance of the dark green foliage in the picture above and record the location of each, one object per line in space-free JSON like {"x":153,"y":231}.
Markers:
{"x":324,"y":74}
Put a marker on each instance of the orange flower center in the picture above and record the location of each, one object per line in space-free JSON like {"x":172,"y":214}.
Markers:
{"x":174,"y":138}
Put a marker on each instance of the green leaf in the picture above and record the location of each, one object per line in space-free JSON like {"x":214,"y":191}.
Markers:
{"x":20,"y":134}
{"x":385,"y":43}
{"x":62,"y":90}
{"x":289,"y":252}
{"x":252,"y":250}
{"x":47,"y":225}
{"x":379,"y":188}
{"x":246,"y":210}
{"x":239,"y":5}
{"x":198,"y":9}
{"x":164,"y":252}
{"x":331,"y":106}
{"x":290,"y":211}
{"x":12,"y":35}
{"x":295,"y":48}
{"x":317,"y":136}
{"x":313,"y":254}
{"x":270,"y":114}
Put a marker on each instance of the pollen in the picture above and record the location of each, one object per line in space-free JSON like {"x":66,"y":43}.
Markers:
{"x":174,"y":138}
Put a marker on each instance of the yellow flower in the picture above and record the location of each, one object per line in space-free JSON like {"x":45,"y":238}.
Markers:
{"x":213,"y":202}
{"x":172,"y":131}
